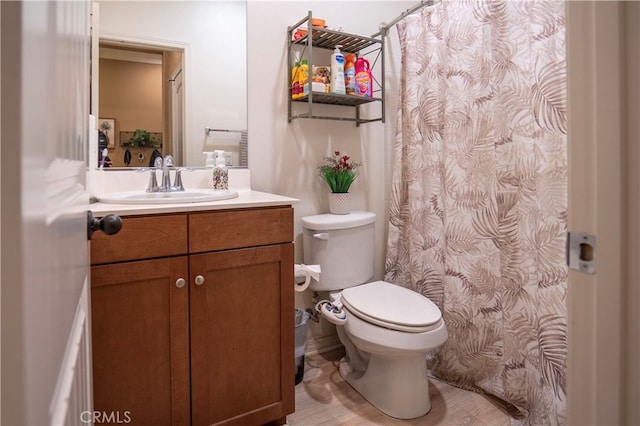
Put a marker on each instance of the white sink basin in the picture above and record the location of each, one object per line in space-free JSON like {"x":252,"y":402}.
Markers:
{"x":190,"y":196}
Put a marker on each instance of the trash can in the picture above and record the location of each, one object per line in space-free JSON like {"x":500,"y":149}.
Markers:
{"x":302,"y":328}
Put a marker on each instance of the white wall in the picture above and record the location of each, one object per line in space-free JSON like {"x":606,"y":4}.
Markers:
{"x":283,"y":157}
{"x":214,"y":34}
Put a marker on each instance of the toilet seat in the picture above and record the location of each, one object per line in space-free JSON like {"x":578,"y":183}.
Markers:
{"x":392,"y":306}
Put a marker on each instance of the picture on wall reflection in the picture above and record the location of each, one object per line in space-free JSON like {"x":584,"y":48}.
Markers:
{"x":106,"y":131}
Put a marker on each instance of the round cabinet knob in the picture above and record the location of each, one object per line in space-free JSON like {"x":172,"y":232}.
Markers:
{"x":199,"y":280}
{"x":180,"y":282}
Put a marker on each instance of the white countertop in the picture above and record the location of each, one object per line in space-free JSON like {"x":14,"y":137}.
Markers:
{"x":245,"y":199}
{"x":127,"y":180}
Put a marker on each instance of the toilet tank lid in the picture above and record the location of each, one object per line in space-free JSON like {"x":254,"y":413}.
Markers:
{"x":326,"y":222}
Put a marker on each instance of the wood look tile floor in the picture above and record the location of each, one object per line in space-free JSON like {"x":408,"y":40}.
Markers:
{"x":324,"y":398}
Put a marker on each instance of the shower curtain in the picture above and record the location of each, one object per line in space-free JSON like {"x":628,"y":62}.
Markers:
{"x":479,"y":194}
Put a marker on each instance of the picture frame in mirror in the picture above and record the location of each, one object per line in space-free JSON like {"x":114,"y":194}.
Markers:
{"x":108,"y":127}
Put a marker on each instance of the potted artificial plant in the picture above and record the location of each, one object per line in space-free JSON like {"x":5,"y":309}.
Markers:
{"x":339,"y":172}
{"x":141,"y":138}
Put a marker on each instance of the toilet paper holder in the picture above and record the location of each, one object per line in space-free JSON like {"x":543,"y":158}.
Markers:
{"x":303,"y":274}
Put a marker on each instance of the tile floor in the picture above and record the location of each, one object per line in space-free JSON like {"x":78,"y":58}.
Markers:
{"x":324,"y":398}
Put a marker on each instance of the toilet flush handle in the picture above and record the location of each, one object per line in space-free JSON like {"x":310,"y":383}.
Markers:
{"x":321,"y":235}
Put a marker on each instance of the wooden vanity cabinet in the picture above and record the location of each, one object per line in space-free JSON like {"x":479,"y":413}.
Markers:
{"x":218,"y":350}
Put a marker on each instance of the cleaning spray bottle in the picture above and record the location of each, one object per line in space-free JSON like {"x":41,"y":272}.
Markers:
{"x":337,"y":71}
{"x":220,"y":172}
{"x":350,"y":74}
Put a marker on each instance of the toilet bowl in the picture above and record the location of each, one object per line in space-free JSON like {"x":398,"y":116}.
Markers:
{"x":386,"y":329}
{"x":390,"y":317}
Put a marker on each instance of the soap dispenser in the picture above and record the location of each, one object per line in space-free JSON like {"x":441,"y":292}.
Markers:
{"x":210,"y":160}
{"x":220,"y":172}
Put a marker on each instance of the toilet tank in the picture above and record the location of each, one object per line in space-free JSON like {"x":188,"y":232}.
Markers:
{"x":343,"y":247}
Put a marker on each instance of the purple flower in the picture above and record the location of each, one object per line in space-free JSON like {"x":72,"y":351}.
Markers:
{"x":339,"y":172}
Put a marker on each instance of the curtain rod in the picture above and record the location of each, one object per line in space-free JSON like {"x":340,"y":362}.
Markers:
{"x":384,"y":26}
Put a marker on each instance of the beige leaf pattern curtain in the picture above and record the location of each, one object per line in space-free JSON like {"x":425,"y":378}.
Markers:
{"x":479,"y":194}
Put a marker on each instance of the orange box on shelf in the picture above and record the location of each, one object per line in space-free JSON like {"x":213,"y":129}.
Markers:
{"x":318,"y":22}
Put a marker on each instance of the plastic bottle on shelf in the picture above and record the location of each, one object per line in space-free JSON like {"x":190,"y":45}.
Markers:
{"x":364,"y":78}
{"x":337,"y":71}
{"x":295,"y":78}
{"x":304,"y":78}
{"x":350,"y":74}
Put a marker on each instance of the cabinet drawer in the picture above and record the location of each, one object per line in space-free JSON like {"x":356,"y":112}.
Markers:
{"x":142,"y":237}
{"x":230,"y":229}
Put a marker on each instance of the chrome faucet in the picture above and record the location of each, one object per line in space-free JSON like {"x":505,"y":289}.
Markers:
{"x":166,"y":165}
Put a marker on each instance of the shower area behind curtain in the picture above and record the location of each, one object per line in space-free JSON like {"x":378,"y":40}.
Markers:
{"x":479,"y":194}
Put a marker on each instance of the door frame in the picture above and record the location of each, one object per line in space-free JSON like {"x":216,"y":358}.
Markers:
{"x":177,"y":114}
{"x":119,"y":40}
{"x":602,"y":376}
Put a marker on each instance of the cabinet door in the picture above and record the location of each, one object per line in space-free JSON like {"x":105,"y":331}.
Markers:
{"x":242,"y":333}
{"x":140,"y":326}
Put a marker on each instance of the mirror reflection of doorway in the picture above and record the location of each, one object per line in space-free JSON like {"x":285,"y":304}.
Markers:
{"x":177,"y":97}
{"x":141,"y":89}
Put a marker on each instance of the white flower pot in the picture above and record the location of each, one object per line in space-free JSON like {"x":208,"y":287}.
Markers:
{"x":340,"y":203}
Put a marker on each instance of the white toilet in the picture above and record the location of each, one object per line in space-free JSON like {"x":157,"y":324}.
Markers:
{"x":386,"y":329}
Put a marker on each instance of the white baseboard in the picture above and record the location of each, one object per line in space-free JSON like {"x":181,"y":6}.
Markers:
{"x":318,"y":345}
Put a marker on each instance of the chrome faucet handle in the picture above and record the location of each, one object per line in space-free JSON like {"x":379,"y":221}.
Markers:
{"x":177,"y":184}
{"x":152,"y":186}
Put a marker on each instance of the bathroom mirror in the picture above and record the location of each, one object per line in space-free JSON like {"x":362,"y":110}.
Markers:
{"x":190,"y":95}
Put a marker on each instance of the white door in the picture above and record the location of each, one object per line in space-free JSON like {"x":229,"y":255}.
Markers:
{"x":46,"y":361}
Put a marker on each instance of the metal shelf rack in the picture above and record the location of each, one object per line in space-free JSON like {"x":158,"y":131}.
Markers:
{"x":323,"y":38}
